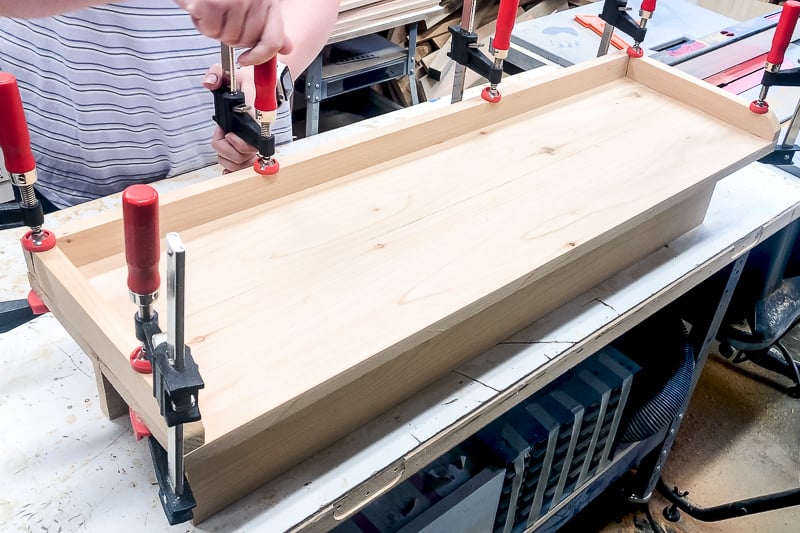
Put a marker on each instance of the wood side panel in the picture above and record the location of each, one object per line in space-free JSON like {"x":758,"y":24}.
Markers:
{"x":70,"y":298}
{"x":249,"y":462}
{"x":93,"y":239}
{"x":701,"y":95}
{"x":111,"y":403}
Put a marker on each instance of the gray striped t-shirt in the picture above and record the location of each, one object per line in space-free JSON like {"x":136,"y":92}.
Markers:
{"x":113,"y":96}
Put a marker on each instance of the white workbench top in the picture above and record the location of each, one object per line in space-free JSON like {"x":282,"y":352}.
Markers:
{"x":64,"y":467}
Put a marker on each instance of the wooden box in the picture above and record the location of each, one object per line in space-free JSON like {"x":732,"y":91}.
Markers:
{"x":363,"y":271}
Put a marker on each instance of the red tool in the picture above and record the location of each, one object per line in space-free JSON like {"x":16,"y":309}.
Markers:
{"x":266,"y":104}
{"x":598,"y":26}
{"x":15,"y":143}
{"x":233,"y":114}
{"x":780,"y":42}
{"x":506,"y":15}
{"x":646,"y":11}
{"x":176,"y":377}
{"x":142,"y":254}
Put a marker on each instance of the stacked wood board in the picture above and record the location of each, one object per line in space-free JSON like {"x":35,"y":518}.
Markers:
{"x":366,"y":269}
{"x":360,"y":17}
{"x":435,"y":69}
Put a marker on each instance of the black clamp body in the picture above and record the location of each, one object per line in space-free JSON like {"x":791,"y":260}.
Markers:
{"x":615,"y":13}
{"x":782,"y":78}
{"x":231,"y":113}
{"x":14,"y":313}
{"x":16,"y":215}
{"x":782,"y":155}
{"x":464,"y":51}
{"x":177,"y":393}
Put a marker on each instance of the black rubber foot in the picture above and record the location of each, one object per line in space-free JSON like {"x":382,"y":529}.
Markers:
{"x":672,"y":513}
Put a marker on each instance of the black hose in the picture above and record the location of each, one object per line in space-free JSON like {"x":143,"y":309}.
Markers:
{"x":659,"y":411}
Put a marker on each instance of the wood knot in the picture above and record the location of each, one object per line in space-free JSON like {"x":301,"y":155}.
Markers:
{"x":380,"y":245}
{"x":549,"y":150}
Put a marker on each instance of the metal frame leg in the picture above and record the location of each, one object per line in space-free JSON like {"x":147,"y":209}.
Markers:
{"x":726,"y":511}
{"x":313,"y":95}
{"x":412,"y":64}
{"x":655,"y":461}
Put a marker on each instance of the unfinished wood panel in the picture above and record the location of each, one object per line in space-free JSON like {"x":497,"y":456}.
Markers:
{"x":111,"y":403}
{"x":357,"y":277}
{"x":682,"y":87}
{"x":344,"y":411}
{"x":92,"y":239}
{"x":414,"y":246}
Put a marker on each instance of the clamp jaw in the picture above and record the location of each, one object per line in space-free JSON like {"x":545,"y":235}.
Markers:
{"x":15,"y":143}
{"x":464,"y":50}
{"x":233,"y":114}
{"x":774,"y":76}
{"x":176,"y":377}
{"x":615,"y":14}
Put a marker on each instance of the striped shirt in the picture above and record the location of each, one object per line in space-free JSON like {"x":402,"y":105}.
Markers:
{"x":113,"y":96}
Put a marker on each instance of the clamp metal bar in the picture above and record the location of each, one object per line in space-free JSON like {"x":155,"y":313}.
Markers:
{"x":229,"y":66}
{"x":176,"y":278}
{"x":468,"y":23}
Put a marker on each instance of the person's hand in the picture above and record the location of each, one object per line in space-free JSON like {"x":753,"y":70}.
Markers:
{"x":254,"y":24}
{"x":232,"y":152}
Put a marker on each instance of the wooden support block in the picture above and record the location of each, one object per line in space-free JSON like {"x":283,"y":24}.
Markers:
{"x":365,"y":268}
{"x":111,"y":403}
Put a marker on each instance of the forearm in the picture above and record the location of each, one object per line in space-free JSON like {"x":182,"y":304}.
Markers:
{"x":308,"y":23}
{"x":42,"y":8}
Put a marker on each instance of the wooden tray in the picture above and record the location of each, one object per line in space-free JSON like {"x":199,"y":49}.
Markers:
{"x":318,"y":298}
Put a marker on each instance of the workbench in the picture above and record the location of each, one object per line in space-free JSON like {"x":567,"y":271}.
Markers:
{"x":65,"y":466}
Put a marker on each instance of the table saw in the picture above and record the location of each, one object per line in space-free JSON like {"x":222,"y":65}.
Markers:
{"x":693,"y":39}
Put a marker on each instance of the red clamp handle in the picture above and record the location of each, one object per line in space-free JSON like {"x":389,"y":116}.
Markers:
{"x":506,"y":15}
{"x":266,"y":79}
{"x":142,"y":239}
{"x":15,"y":141}
{"x":784,"y":31}
{"x":648,"y":5}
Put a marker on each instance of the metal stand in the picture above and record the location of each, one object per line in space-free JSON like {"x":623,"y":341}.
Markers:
{"x":320,"y":83}
{"x":726,"y":511}
{"x":765,"y":306}
{"x":652,"y":465}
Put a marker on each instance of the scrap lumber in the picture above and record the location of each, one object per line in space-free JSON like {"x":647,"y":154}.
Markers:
{"x":435,"y":68}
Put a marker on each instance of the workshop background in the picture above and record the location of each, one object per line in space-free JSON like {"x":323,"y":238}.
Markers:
{"x":741,"y":436}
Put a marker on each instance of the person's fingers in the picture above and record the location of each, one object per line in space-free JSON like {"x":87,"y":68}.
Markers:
{"x":228,"y":153}
{"x":233,"y":166}
{"x":247,"y":85}
{"x":240,"y":145}
{"x":217,"y":135}
{"x":271,"y":41}
{"x":208,"y":15}
{"x":233,"y":149}
{"x":213,"y":78}
{"x":236,"y":19}
{"x":252,"y":25}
